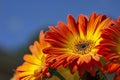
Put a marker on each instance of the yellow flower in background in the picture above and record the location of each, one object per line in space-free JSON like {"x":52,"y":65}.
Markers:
{"x":74,"y":44}
{"x":34,"y":67}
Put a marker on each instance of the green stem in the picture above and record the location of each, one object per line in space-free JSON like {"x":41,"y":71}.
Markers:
{"x":99,"y":76}
{"x":53,"y":71}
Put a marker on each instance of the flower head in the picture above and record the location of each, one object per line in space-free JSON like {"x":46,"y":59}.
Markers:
{"x":110,"y":47}
{"x":74,"y":44}
{"x":34,"y":67}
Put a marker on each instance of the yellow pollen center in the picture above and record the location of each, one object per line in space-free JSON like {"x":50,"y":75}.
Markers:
{"x":83,"y":47}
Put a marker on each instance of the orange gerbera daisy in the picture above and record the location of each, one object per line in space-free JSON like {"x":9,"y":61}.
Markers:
{"x":34,"y":67}
{"x":110,"y":48}
{"x":74,"y":45}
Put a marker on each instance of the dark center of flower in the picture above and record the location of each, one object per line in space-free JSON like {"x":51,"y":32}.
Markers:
{"x":82,"y":46}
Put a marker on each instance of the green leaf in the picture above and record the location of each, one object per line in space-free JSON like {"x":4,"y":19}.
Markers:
{"x":103,"y":61}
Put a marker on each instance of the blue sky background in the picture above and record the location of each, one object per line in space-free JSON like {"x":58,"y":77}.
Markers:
{"x":19,"y":19}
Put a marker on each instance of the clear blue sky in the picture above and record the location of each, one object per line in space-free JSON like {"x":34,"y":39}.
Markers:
{"x":21,"y":18}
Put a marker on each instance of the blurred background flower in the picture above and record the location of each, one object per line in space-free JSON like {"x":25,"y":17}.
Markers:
{"x":21,"y":22}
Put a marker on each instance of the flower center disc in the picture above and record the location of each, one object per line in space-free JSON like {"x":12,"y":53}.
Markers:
{"x":83,"y":47}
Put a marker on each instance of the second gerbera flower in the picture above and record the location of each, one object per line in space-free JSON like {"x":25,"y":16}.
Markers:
{"x":110,"y":48}
{"x":34,"y":67}
{"x":75,"y":44}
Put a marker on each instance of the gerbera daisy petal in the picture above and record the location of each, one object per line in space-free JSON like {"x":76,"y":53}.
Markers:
{"x":53,"y":36}
{"x":113,"y":67}
{"x":31,"y":59}
{"x":96,"y":57}
{"x":26,"y":67}
{"x":56,"y":43}
{"x":41,"y":40}
{"x":61,"y":36}
{"x":87,"y":58}
{"x":82,"y":22}
{"x":103,"y":24}
{"x":72,"y":25}
{"x":73,"y":67}
{"x":56,"y":51}
{"x":95,"y":22}
{"x":64,"y":30}
{"x":91,"y":21}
